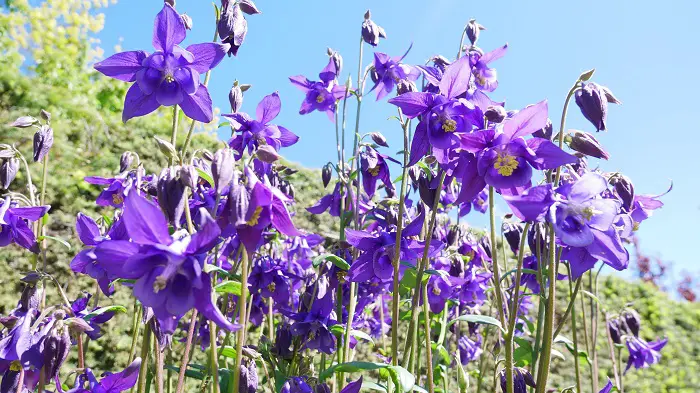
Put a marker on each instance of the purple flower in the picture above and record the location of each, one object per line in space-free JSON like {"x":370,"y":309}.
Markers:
{"x":233,"y":27}
{"x":22,"y":347}
{"x":643,"y":354}
{"x":607,"y":388}
{"x":374,"y":168}
{"x":643,"y":206}
{"x":469,"y":350}
{"x":110,"y":383}
{"x":485,"y":78}
{"x":79,"y":307}
{"x":371,"y":32}
{"x":255,"y":133}
{"x":521,"y":380}
{"x":593,"y":100}
{"x":321,"y":96}
{"x":441,"y":288}
{"x":296,"y":385}
{"x":170,"y":75}
{"x":168,"y":270}
{"x":333,"y":201}
{"x":85,"y":261}
{"x":443,"y":116}
{"x":270,"y":279}
{"x":388,"y":71}
{"x":504,"y":159}
{"x":313,"y":326}
{"x":14,"y":224}
{"x":113,"y":194}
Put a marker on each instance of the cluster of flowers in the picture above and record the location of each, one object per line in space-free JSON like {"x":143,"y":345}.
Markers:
{"x":212,"y":234}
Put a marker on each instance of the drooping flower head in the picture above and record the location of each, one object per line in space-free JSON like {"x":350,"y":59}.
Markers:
{"x":643,"y":354}
{"x":321,"y":95}
{"x":374,"y":168}
{"x":170,"y":75}
{"x":485,"y":77}
{"x":109,"y":383}
{"x":389,"y":71}
{"x":14,"y":224}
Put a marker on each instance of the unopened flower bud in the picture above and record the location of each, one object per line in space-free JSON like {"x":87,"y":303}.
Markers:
{"x":495,"y":113}
{"x":440,"y":62}
{"x":485,"y":243}
{"x":235,"y":97}
{"x":633,"y":321}
{"x":125,"y":161}
{"x":248,"y":381}
{"x":593,"y":101}
{"x":248,"y":7}
{"x":222,"y":168}
{"x":171,"y":195}
{"x":8,"y":171}
{"x":379,"y":139}
{"x":56,"y":349}
{"x":473,"y":31}
{"x":189,"y":176}
{"x":187,"y":21}
{"x":453,"y":235}
{"x":585,"y":143}
{"x":24,"y":122}
{"x":171,"y":2}
{"x":322,"y":388}
{"x":427,"y":189}
{"x":267,"y":153}
{"x":405,"y":86}
{"x":78,"y":325}
{"x":614,"y":331}
{"x":512,"y":232}
{"x":43,"y":140}
{"x":166,"y":148}
{"x":326,"y":175}
{"x":337,"y":59}
{"x":521,"y":380}
{"x":371,"y":32}
{"x":625,"y":191}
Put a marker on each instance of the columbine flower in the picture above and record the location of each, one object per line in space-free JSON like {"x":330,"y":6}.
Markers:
{"x":254,"y":133}
{"x":313,"y":325}
{"x":233,"y":27}
{"x":374,"y":168}
{"x":167,"y":269}
{"x":443,"y":116}
{"x":593,"y":100}
{"x":521,"y":380}
{"x":388,"y":71}
{"x":504,"y":159}
{"x":485,"y":78}
{"x":110,"y":383}
{"x":642,"y":353}
{"x":113,"y":194}
{"x":22,"y":348}
{"x":643,"y":206}
{"x":169,"y":76}
{"x":14,"y":227}
{"x":441,"y":288}
{"x":296,"y":385}
{"x":371,"y":32}
{"x":469,"y":350}
{"x":321,"y":96}
{"x":80,"y":310}
{"x":333,"y":201}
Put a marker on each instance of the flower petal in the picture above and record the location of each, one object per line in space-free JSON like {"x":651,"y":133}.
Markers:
{"x":168,"y":29}
{"x":144,"y":221}
{"x":122,"y":66}
{"x":268,"y":108}
{"x":198,"y":106}
{"x":527,"y":121}
{"x":137,"y":103}
{"x":87,"y":229}
{"x":455,"y":80}
{"x":207,"y":55}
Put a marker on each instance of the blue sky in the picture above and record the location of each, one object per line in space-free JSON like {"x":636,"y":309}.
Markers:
{"x":645,"y":52}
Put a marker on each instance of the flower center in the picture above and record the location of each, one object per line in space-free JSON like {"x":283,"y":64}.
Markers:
{"x":436,"y":291}
{"x":374,"y":171}
{"x":117,"y":199}
{"x":255,"y":217}
{"x":341,"y":276}
{"x":160,"y":283}
{"x":271,"y":287}
{"x":15,"y":365}
{"x":319,"y":98}
{"x":479,"y":78}
{"x":505,"y":164}
{"x":449,"y":125}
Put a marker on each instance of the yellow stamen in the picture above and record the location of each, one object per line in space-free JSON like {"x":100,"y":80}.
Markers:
{"x":449,"y":125}
{"x":255,"y":217}
{"x":15,"y":365}
{"x":374,"y":171}
{"x":341,"y":276}
{"x":159,"y":284}
{"x":117,"y":199}
{"x":436,"y":291}
{"x":505,"y":164}
{"x":319,"y":98}
{"x":169,"y":79}
{"x":271,"y":287}
{"x":479,"y":78}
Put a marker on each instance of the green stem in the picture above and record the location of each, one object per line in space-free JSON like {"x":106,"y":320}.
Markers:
{"x":145,"y":351}
{"x":186,"y":354}
{"x":593,"y":285}
{"x":568,"y":308}
{"x":428,"y":343}
{"x":562,"y":124}
{"x":242,"y":318}
{"x":611,"y":346}
{"x":173,"y":135}
{"x":134,"y":330}
{"x":548,"y":337}
{"x":514,"y":312}
{"x":575,"y":335}
{"x":494,"y":258}
{"x":213,"y":356}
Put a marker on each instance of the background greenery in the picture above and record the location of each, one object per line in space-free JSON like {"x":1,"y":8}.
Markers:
{"x":45,"y":56}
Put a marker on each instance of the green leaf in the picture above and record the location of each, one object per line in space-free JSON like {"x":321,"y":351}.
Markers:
{"x":361,"y":335}
{"x":475,"y":318}
{"x":232,"y":287}
{"x":336,"y":260}
{"x":198,"y":375}
{"x":227,"y":351}
{"x":592,"y":296}
{"x":586,"y":75}
{"x":558,"y":354}
{"x":403,"y":379}
{"x":56,"y":239}
{"x":224,"y":124}
{"x":525,"y":271}
{"x":208,"y":268}
{"x":351,"y":367}
{"x":369,"y":385}
{"x":204,"y":175}
{"x":102,"y":310}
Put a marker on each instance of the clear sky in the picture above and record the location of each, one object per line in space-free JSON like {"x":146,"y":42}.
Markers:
{"x":646,"y":52}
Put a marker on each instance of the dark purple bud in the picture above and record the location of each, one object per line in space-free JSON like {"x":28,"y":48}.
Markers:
{"x":379,"y":139}
{"x":625,"y":191}
{"x":248,"y":382}
{"x":8,"y":172}
{"x":249,"y":7}
{"x":222,"y":168}
{"x":239,"y":203}
{"x":326,"y":175}
{"x":283,"y":342}
{"x":187,"y":21}
{"x":43,"y":140}
{"x":440,"y":62}
{"x":485,"y":243}
{"x":11,"y":380}
{"x":31,"y":297}
{"x":473,"y":31}
{"x":235,"y":97}
{"x":24,"y":122}
{"x":232,"y":27}
{"x":593,"y":100}
{"x":512,"y":233}
{"x":495,"y":114}
{"x":405,"y":86}
{"x":46,"y":115}
{"x":633,"y":321}
{"x":546,"y":132}
{"x":614,"y":331}
{"x":8,"y":321}
{"x":56,"y":349}
{"x":521,"y":380}
{"x":453,"y":235}
{"x":586,"y":143}
{"x":537,"y":240}
{"x":171,"y":2}
{"x":267,"y":153}
{"x":189,"y":176}
{"x":322,"y":388}
{"x":427,"y":189}
{"x":207,"y":156}
{"x":125,"y":161}
{"x":171,"y":195}
{"x":337,"y":59}
{"x":78,"y":325}
{"x":371,"y":32}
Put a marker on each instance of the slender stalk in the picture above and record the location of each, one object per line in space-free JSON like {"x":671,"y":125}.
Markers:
{"x":242,"y":317}
{"x":428,"y":341}
{"x":611,"y":346}
{"x":213,"y":356}
{"x":494,"y":258}
{"x":397,"y":251}
{"x":622,"y":375}
{"x":135,"y":326}
{"x":548,"y":337}
{"x":186,"y":354}
{"x":160,"y":365}
{"x":574,"y":334}
{"x":380,"y":300}
{"x":461,"y":42}
{"x":81,"y":352}
{"x":514,"y":312}
{"x":562,"y":124}
{"x":173,"y":135}
{"x":20,"y":381}
{"x":593,"y":284}
{"x":568,"y":308}
{"x":145,"y":351}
